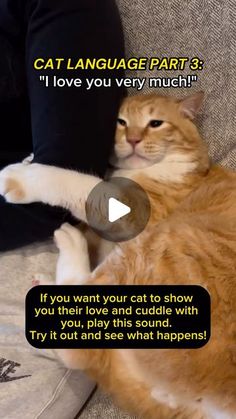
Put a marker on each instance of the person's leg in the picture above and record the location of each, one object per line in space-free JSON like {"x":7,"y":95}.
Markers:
{"x":71,"y":127}
{"x":15,"y":124}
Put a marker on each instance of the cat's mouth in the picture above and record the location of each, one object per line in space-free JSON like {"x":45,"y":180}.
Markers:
{"x":134,"y":161}
{"x":135,"y":157}
{"x":135,"y":154}
{"x":141,"y":156}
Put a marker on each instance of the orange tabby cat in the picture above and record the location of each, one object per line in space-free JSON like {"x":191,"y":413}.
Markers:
{"x":190,"y":239}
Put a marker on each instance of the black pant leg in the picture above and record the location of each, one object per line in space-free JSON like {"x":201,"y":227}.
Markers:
{"x":16,"y":140}
{"x":72,"y":128}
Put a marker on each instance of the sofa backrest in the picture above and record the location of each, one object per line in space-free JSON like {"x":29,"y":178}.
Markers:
{"x":205,"y":29}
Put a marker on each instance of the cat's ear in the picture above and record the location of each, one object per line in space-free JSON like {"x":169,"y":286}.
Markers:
{"x":190,"y":105}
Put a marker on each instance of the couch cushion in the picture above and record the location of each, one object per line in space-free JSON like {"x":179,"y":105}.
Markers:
{"x":33,"y":383}
{"x":101,"y":406}
{"x":203,"y":29}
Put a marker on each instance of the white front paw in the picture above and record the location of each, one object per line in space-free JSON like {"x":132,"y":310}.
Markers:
{"x":18,"y":183}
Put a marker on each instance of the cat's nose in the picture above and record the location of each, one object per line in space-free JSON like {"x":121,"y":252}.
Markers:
{"x":133,"y":141}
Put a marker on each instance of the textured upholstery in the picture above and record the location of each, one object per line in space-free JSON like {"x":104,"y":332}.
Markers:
{"x":205,"y":29}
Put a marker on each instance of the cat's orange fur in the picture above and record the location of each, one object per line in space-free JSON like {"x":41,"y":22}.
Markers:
{"x":190,"y":239}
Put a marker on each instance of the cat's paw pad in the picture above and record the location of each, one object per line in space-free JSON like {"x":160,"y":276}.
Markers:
{"x":41,"y":279}
{"x":13,"y":183}
{"x":69,"y":238}
{"x":10,"y":187}
{"x":35,"y":282}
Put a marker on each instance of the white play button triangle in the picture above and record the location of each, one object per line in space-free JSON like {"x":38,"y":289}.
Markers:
{"x":117,"y":210}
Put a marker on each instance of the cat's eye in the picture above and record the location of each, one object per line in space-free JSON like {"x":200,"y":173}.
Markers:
{"x":154,"y":123}
{"x":121,"y":122}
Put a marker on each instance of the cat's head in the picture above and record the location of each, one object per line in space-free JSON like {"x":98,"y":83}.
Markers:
{"x":152,"y":129}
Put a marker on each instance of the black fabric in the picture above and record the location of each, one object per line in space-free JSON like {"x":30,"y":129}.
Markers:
{"x":67,"y":127}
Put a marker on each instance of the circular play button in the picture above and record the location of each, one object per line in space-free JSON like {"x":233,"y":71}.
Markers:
{"x":118,"y":209}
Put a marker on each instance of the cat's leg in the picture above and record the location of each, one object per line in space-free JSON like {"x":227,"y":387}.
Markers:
{"x":109,"y":371}
{"x":26,"y":183}
{"x":115,"y":371}
{"x":73,"y":265}
{"x":116,"y":375}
